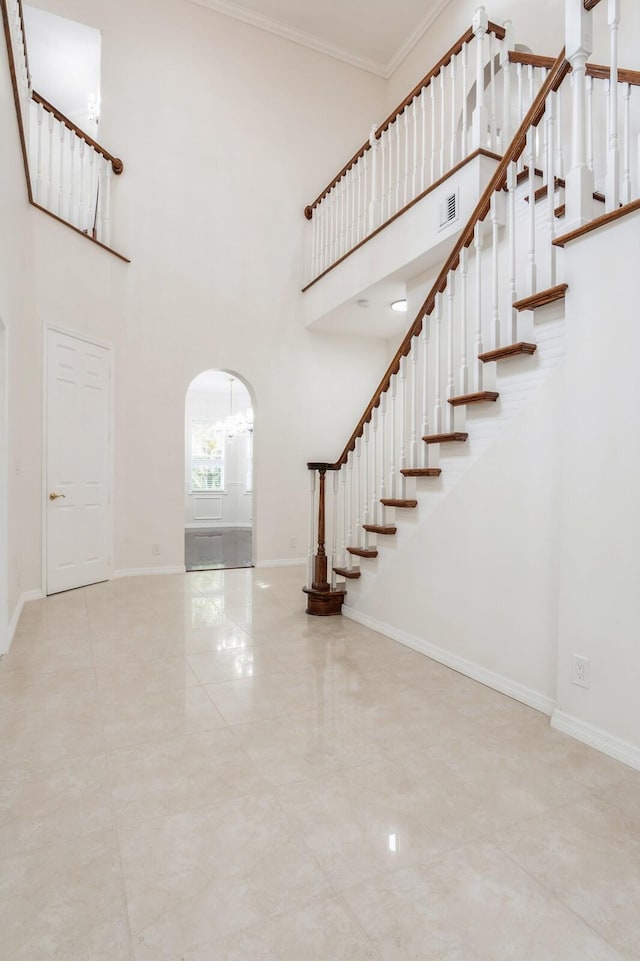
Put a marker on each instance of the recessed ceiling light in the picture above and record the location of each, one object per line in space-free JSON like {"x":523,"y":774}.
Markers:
{"x":400,"y":306}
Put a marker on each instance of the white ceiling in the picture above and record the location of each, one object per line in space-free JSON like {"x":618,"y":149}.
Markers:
{"x":372,"y":34}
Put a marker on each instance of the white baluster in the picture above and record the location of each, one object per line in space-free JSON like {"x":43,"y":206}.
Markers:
{"x":443,"y":120}
{"x":358,"y":228}
{"x":464,"y":369}
{"x":397,"y":165}
{"x":432,"y":95}
{"x":384,"y":178}
{"x":334,"y":540}
{"x":407,"y":155}
{"x":559,"y":135}
{"x":454,"y":116}
{"x":61,"y":137}
{"x":590,"y":123}
{"x":393,"y":451}
{"x":101,"y":193}
{"x":345,"y":516}
{"x":72,"y":199}
{"x":550,"y":121}
{"x":531,"y":259}
{"x":512,"y":181}
{"x":365,"y":488}
{"x":520,"y":92}
{"x":383,"y":452}
{"x":350,"y":542}
{"x":108,"y":171}
{"x":312,"y":526}
{"x":39,"y":119}
{"x":478,"y":365}
{"x":450,"y":350}
{"x":425,"y":389}
{"x":480,"y":118}
{"x":373,"y":514}
{"x":366,"y":224}
{"x":374,"y":203}
{"x":402,"y":460}
{"x":532,"y":86}
{"x":626,"y":147}
{"x":437,"y":406}
{"x":414,"y":127}
{"x":464,"y":148}
{"x":358,"y":520}
{"x":613,"y":154}
{"x":413,"y":379}
{"x":50,"y":126}
{"x":423,"y":160}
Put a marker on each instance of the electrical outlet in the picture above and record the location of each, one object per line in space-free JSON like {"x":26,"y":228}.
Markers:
{"x":292,"y":542}
{"x":580,"y":670}
{"x":155,"y":549}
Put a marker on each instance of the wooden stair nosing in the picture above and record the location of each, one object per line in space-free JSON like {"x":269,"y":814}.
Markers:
{"x":380,"y":528}
{"x":524,"y":174}
{"x":398,"y":502}
{"x":421,"y":471}
{"x":543,"y":191}
{"x":445,"y":438}
{"x":363,"y":551}
{"x":513,"y":350}
{"x":477,"y":398}
{"x":345,"y":572}
{"x":542,"y":298}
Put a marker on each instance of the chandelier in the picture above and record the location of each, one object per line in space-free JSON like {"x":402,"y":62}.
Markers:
{"x":236,"y":425}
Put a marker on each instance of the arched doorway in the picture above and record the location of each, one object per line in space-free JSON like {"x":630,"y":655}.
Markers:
{"x":218,"y":510}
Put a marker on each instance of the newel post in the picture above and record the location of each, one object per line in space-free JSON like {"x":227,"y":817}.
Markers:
{"x":579,"y":47}
{"x":321,"y":599}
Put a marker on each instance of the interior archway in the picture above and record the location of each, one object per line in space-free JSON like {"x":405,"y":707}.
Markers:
{"x":219,"y":489}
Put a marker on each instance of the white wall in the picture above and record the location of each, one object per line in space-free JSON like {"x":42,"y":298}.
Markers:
{"x":219,"y":164}
{"x":232,"y":507}
{"x":599,"y":614}
{"x":21,"y":462}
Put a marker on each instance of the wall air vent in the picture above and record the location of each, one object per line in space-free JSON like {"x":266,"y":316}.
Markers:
{"x":449,"y":210}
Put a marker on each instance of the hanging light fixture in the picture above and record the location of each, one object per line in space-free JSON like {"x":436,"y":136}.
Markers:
{"x":236,"y":425}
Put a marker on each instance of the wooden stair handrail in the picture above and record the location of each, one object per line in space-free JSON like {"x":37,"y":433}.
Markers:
{"x":532,"y":118}
{"x":590,"y":4}
{"x":115,"y":162}
{"x":466,"y":37}
{"x":597,"y":71}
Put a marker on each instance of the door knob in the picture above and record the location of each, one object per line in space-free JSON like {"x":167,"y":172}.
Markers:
{"x":54,"y":497}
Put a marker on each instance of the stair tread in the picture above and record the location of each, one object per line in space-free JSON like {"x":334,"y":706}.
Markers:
{"x":345,"y":572}
{"x":445,"y":438}
{"x":542,"y":298}
{"x":380,"y":528}
{"x":363,"y":551}
{"x":398,"y":502}
{"x":542,"y":192}
{"x":512,"y":350}
{"x":421,"y":472}
{"x":477,"y":398}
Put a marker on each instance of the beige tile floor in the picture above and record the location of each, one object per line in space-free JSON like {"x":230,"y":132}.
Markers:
{"x":194,"y":770}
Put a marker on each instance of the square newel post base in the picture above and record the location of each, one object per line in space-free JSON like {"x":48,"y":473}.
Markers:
{"x":324,"y":603}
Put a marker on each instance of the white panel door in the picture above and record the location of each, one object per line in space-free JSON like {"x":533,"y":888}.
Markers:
{"x":78,"y":463}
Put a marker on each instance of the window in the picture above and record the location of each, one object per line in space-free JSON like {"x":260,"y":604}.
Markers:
{"x":207,"y":457}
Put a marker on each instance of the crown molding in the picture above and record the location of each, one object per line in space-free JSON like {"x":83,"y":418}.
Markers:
{"x":237,"y":12}
{"x":413,"y":38}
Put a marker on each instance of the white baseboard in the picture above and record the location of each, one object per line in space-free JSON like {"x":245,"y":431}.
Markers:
{"x":25,"y":597}
{"x":146,"y":571}
{"x":534,"y":699}
{"x":595,"y":737}
{"x":283,"y":562}
{"x":218,"y":525}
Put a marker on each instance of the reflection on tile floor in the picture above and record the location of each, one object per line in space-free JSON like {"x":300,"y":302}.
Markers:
{"x":194,"y":770}
{"x":217,"y":548}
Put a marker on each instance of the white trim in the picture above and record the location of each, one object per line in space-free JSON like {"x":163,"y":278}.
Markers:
{"x":221,"y":525}
{"x":25,"y":597}
{"x":230,"y":9}
{"x":146,"y":571}
{"x":609,"y":744}
{"x":105,"y":345}
{"x":534,"y":699}
{"x":283,"y":562}
{"x":385,"y":70}
{"x":6,"y":633}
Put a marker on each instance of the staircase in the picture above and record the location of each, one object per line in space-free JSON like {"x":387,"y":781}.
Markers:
{"x":494,"y":314}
